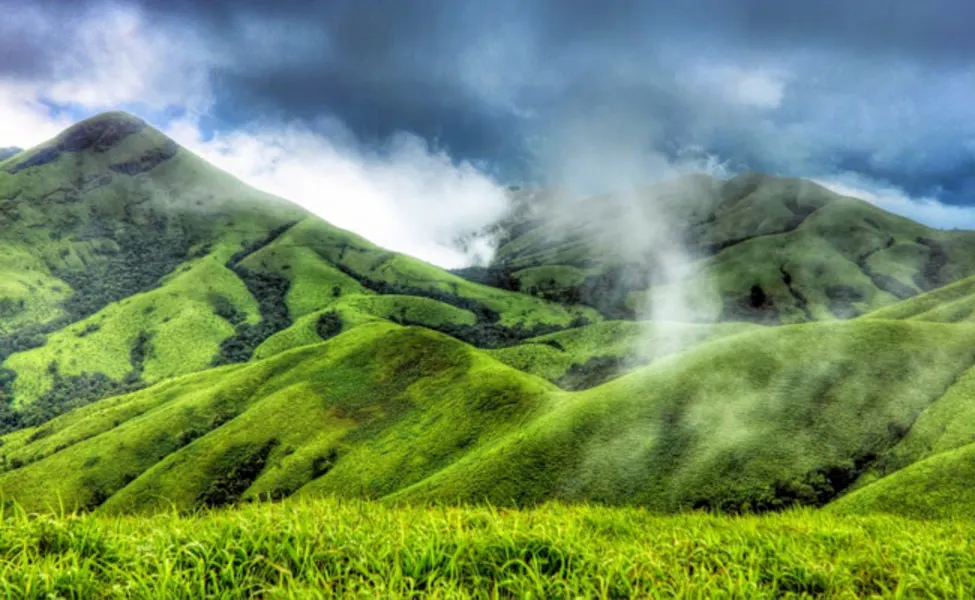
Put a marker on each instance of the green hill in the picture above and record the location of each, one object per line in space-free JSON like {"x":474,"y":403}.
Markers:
{"x":126,"y":260}
{"x":938,"y":487}
{"x":756,"y":248}
{"x":173,"y":338}
{"x":757,"y":420}
{"x":8,"y":152}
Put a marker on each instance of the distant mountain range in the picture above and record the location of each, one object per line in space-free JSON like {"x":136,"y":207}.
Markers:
{"x":6,"y":153}
{"x":172,"y":337}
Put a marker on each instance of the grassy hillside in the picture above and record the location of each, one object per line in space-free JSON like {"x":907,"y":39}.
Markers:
{"x":126,"y":260}
{"x":753,"y":421}
{"x":352,"y":261}
{"x":339,"y":412}
{"x":364,"y":550}
{"x":763,"y":249}
{"x":170,"y":337}
{"x":756,"y":420}
{"x":588,"y":356}
{"x":108,"y":208}
{"x":949,"y":304}
{"x":938,"y":487}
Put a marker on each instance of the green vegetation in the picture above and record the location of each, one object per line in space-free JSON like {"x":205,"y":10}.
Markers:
{"x":751,"y":419}
{"x":768,"y":250}
{"x":754,"y":421}
{"x":935,"y":488}
{"x":588,"y":356}
{"x":180,"y":316}
{"x":346,"y":549}
{"x":104,"y":246}
{"x":171,"y":340}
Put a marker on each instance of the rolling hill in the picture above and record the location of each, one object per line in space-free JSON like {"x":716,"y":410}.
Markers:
{"x":754,"y":248}
{"x":127,"y":260}
{"x":173,"y":338}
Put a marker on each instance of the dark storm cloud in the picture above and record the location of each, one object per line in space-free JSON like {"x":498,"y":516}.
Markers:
{"x":30,"y":40}
{"x":880,"y":87}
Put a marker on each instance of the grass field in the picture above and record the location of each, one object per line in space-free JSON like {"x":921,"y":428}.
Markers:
{"x":343,"y":549}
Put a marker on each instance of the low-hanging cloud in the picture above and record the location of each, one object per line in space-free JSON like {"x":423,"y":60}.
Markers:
{"x":405,"y":194}
{"x":407,"y":197}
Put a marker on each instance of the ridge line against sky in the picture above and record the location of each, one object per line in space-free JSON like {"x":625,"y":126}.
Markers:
{"x":403,"y":120}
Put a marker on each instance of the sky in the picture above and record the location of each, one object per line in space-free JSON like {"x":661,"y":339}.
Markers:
{"x":404,"y":120}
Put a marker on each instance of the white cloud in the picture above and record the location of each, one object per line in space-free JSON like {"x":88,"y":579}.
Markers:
{"x":24,"y":120}
{"x":928,"y":211}
{"x":757,"y":88}
{"x":117,"y":60}
{"x":411,"y":198}
{"x":121,"y":59}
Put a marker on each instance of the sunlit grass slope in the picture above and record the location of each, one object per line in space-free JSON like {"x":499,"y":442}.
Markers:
{"x":339,"y":398}
{"x":949,"y":304}
{"x":939,"y":487}
{"x":590,"y":355}
{"x":761,"y":419}
{"x":321,"y":244}
{"x":372,"y":410}
{"x":108,"y":190}
{"x":356,"y":309}
{"x":179,"y":318}
{"x":347,"y":549}
{"x":757,"y":420}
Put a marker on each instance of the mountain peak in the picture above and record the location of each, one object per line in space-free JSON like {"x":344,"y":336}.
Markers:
{"x":100,"y":133}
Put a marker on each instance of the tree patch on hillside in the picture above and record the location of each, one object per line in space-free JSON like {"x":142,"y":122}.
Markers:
{"x":148,"y":160}
{"x":225,"y":309}
{"x":270,"y":291}
{"x":234,"y":472}
{"x":487,"y":332}
{"x":481,"y":312}
{"x":136,"y":263}
{"x":70,"y":392}
{"x":756,"y":306}
{"x":841,"y":300}
{"x":328,"y":325}
{"x":99,"y":135}
{"x":932,"y":273}
{"x":597,"y":371}
{"x":141,"y":348}
{"x":798,"y":296}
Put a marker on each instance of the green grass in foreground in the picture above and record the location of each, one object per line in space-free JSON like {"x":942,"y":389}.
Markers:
{"x":360,"y":549}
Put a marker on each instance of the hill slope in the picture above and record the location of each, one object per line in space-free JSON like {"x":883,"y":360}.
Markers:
{"x":170,"y":336}
{"x":761,"y":419}
{"x":754,"y":248}
{"x":126,"y":260}
{"x":938,"y":487}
